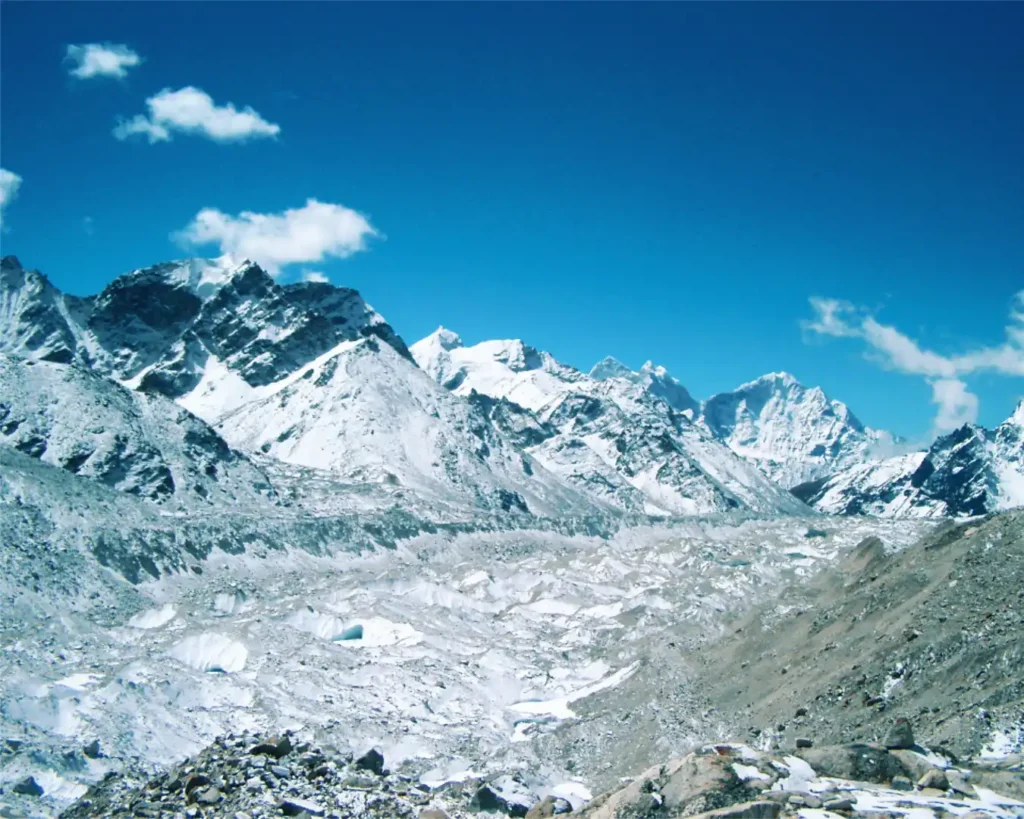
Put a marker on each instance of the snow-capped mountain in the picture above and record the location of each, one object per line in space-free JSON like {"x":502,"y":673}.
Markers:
{"x":366,"y":413}
{"x":792,"y":433}
{"x":307,"y":374}
{"x":654,"y":379}
{"x":141,"y":444}
{"x":970,"y":471}
{"x":161,"y":328}
{"x":621,"y":436}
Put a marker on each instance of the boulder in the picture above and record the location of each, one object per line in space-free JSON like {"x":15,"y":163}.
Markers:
{"x":935,"y":778}
{"x":505,"y":794}
{"x":902,"y":783}
{"x":762,"y":809}
{"x":917,"y":765}
{"x":277,"y":747}
{"x":373,"y":761}
{"x":864,"y":762}
{"x":900,"y":736}
{"x":293,"y":806}
{"x":548,"y":807}
{"x":697,"y":783}
{"x":28,"y":787}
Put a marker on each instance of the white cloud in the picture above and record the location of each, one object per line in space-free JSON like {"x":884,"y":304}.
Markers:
{"x":9,"y":184}
{"x":101,"y":60}
{"x":897,"y":351}
{"x":193,"y":111}
{"x":312,"y":233}
{"x":956,"y":405}
{"x":315,"y":276}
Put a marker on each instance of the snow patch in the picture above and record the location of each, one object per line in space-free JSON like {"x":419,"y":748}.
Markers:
{"x":559,"y":707}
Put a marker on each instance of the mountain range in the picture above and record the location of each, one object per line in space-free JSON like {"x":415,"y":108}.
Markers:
{"x":188,"y":380}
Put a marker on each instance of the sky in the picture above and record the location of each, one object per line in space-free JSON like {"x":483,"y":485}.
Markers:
{"x":833,"y":190}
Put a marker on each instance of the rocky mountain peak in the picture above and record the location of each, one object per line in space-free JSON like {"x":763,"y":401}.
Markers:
{"x":445,"y":338}
{"x":609,"y":367}
{"x":10,"y":263}
{"x":1017,"y":416}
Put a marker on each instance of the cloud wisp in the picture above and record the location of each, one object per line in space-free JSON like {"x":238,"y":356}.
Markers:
{"x":91,"y":60}
{"x":312,"y":233}
{"x":191,"y":110}
{"x":9,"y":184}
{"x":895,"y":350}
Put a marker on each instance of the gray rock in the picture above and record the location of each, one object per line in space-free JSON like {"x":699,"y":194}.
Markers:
{"x":901,"y":783}
{"x":372,"y":760}
{"x":277,"y":747}
{"x":209,"y":796}
{"x":28,"y":787}
{"x":763,"y":809}
{"x":92,"y":750}
{"x":862,"y":762}
{"x":548,"y":807}
{"x":292,"y":806}
{"x":804,"y":743}
{"x":844,"y":805}
{"x":901,"y":735}
{"x":935,"y":778}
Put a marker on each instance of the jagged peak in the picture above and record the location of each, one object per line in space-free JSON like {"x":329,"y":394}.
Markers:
{"x":656,"y":371}
{"x":609,"y":367}
{"x":1017,"y":416}
{"x":445,"y":338}
{"x":10,"y":263}
{"x":781,"y":378}
{"x":204,"y":277}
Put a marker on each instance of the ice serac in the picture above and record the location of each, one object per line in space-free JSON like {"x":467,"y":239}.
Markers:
{"x":794,"y":434}
{"x":623,"y":437}
{"x":970,"y":471}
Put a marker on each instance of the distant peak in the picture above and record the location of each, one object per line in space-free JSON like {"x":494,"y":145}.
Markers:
{"x":776,"y":379}
{"x":655,"y":370}
{"x":10,"y":263}
{"x":1017,"y":417}
{"x":447,"y":339}
{"x":610,"y":367}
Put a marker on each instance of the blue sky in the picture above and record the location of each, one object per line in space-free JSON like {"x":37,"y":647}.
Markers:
{"x":666,"y":181}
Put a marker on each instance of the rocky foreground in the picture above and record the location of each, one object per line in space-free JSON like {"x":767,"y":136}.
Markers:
{"x":249,"y":777}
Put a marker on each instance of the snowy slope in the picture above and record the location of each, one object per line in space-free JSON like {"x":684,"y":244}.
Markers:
{"x":367,"y":414}
{"x":141,"y":444}
{"x":620,"y":436}
{"x":971,"y":471}
{"x":792,"y":433}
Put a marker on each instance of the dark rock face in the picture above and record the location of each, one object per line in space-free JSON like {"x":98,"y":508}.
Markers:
{"x":958,"y":477}
{"x":158,"y":323}
{"x":95,"y":428}
{"x":28,"y":787}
